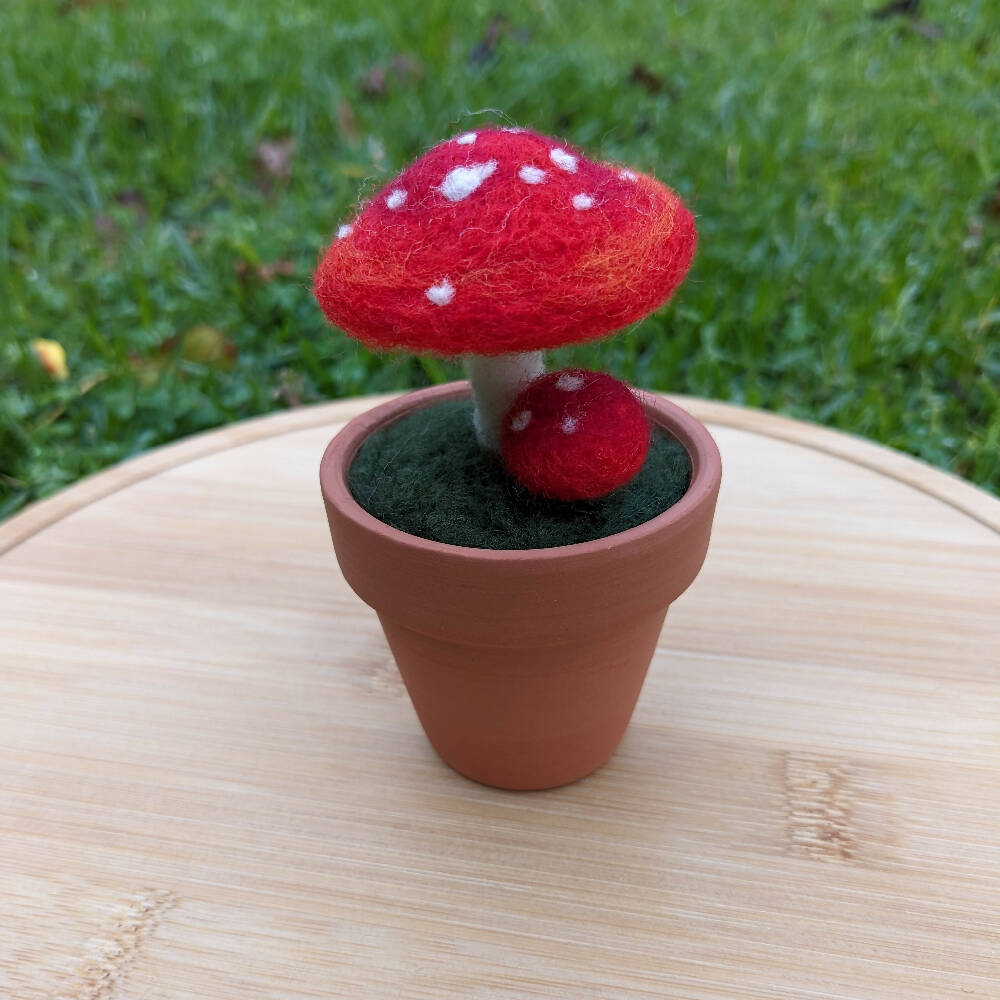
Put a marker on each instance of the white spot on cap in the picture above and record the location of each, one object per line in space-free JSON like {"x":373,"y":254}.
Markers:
{"x":582,"y":202}
{"x":569,"y":425}
{"x":344,"y":231}
{"x":511,"y":128}
{"x":531,"y":175}
{"x":396,"y":199}
{"x":626,"y":175}
{"x":569,"y":383}
{"x":466,"y":138}
{"x":520,"y":420}
{"x":563,"y":160}
{"x":442,"y":293}
{"x":460,"y":182}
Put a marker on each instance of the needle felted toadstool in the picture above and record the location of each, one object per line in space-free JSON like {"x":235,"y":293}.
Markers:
{"x":575,"y":435}
{"x":496,"y":245}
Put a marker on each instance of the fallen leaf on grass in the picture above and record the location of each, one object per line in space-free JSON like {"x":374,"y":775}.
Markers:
{"x":275,"y":156}
{"x":205,"y":344}
{"x":268,"y":272}
{"x":379,"y":79}
{"x":652,"y":83}
{"x":991,"y":203}
{"x":347,"y":123}
{"x":643,"y":76}
{"x":264,"y":272}
{"x":497,"y":26}
{"x":202,"y":344}
{"x":148,"y":370}
{"x":134,"y":200}
{"x":291,"y":388}
{"x":407,"y":68}
{"x":51,"y":355}
{"x":898,"y":8}
{"x":373,"y":83}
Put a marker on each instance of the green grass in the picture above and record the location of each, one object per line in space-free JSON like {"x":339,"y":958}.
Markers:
{"x":844,"y":169}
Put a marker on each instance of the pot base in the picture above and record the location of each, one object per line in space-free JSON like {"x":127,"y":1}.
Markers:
{"x":526,"y":719}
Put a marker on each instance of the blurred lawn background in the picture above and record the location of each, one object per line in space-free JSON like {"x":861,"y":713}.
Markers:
{"x":170,"y":171}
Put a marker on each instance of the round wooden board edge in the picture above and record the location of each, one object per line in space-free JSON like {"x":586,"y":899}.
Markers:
{"x":957,"y":493}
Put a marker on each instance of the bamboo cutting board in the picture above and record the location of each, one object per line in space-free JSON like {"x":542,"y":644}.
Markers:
{"x":212,"y":784}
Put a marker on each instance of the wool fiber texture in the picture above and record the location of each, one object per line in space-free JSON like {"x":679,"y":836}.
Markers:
{"x":575,"y":435}
{"x":427,"y":475}
{"x":504,"y":240}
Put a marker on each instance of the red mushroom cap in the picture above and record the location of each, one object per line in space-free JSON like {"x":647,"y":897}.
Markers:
{"x":503,"y":240}
{"x":575,"y":435}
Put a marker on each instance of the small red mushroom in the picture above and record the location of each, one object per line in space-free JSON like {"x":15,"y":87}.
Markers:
{"x":575,"y":435}
{"x":498,"y":244}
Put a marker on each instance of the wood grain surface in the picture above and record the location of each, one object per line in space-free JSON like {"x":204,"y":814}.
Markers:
{"x":212,"y":784}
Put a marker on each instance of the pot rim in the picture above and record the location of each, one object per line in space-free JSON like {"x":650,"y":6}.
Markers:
{"x":706,"y":472}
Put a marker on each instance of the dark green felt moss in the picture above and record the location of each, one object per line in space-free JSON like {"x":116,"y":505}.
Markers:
{"x":426,"y":474}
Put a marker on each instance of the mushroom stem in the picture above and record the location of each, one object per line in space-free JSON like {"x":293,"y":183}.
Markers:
{"x":495,"y":383}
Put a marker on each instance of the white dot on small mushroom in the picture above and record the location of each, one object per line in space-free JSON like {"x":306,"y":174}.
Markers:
{"x":396,"y":199}
{"x":460,"y":182}
{"x":520,"y":420}
{"x":511,"y":128}
{"x":569,"y":425}
{"x":563,"y":160}
{"x":569,"y":383}
{"x":626,"y":175}
{"x":466,"y":138}
{"x":442,"y":293}
{"x":344,"y":231}
{"x":531,"y":175}
{"x":582,"y":202}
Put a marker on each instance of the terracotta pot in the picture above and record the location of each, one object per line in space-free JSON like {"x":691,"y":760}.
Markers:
{"x":524,"y":666}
